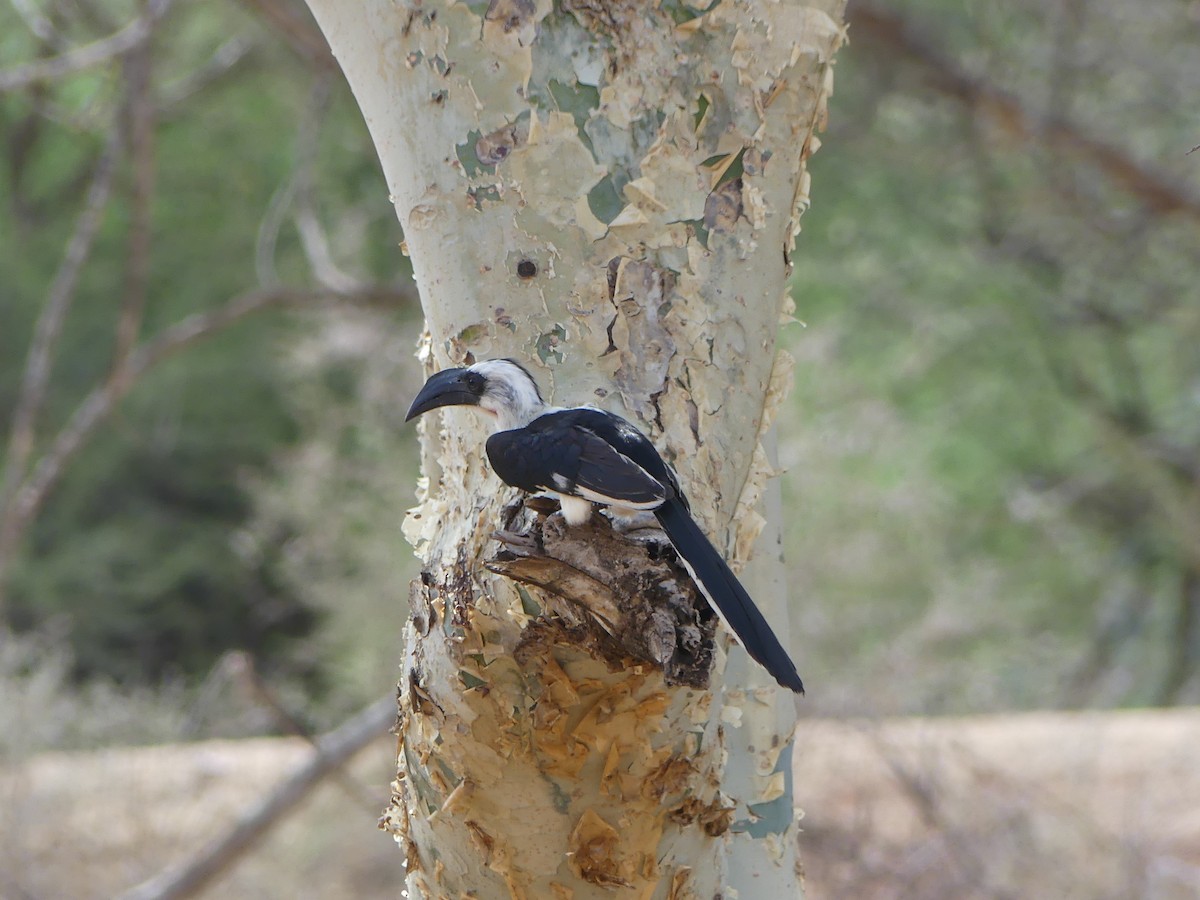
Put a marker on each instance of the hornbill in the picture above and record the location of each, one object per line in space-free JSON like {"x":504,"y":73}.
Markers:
{"x":585,"y":456}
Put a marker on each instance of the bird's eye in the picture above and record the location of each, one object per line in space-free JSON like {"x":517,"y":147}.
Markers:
{"x":475,"y":382}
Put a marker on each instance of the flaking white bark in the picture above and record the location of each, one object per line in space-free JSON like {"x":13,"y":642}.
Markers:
{"x":568,"y":180}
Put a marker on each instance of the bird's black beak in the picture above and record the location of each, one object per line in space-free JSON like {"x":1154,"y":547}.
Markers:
{"x":446,"y":388}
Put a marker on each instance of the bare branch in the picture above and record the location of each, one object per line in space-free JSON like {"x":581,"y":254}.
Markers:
{"x":32,"y":392}
{"x":241,"y":668}
{"x":140,"y":112}
{"x":1182,"y":654}
{"x":318,"y":253}
{"x":87,"y":56}
{"x":1122,"y":610}
{"x":1176,"y":500}
{"x":1173,"y":492}
{"x":223,"y":60}
{"x":332,"y":751}
{"x":100,"y":403}
{"x":39,"y":25}
{"x":285,"y":195}
{"x":1157,"y":190}
{"x":269,"y":227}
{"x":297,"y":191}
{"x":312,"y":235}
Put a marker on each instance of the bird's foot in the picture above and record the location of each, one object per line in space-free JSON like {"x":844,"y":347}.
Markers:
{"x":519,"y":544}
{"x":627,"y":520}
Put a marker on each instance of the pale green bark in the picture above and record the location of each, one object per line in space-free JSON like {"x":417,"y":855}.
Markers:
{"x":564,"y":178}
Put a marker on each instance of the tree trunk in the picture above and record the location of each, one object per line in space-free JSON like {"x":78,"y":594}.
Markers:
{"x":607,"y":190}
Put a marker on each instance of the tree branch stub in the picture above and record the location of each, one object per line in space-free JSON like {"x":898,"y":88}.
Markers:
{"x":622,"y":596}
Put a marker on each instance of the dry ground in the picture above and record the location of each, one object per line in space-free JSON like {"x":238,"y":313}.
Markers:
{"x":1022,"y":806}
{"x":1040,"y":806}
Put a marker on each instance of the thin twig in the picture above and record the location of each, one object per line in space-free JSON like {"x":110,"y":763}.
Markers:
{"x":87,"y":56}
{"x":295,"y":24}
{"x":32,"y":393}
{"x":332,"y":751}
{"x":296,"y":194}
{"x":140,"y":113}
{"x":1172,"y":489}
{"x":41,"y":27}
{"x":317,"y":251}
{"x":241,"y":668}
{"x":1121,"y":611}
{"x":1181,"y":658}
{"x":282,"y":200}
{"x":313,"y":239}
{"x":223,"y":60}
{"x":267,"y":238}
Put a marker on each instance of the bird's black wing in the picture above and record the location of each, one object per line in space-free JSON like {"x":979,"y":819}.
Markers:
{"x":625,"y":438}
{"x":559,"y":452}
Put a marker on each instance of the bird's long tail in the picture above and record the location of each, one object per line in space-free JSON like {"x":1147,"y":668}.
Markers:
{"x":725,"y":594}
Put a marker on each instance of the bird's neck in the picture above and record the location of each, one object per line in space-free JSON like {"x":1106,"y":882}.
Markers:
{"x":519,"y":409}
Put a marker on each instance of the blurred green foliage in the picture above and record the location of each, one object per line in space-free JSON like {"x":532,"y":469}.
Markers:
{"x":997,"y":404}
{"x":140,"y":547}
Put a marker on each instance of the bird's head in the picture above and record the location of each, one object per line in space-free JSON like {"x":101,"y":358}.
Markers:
{"x":502,"y":388}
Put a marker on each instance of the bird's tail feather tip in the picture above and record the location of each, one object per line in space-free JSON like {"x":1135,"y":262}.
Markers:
{"x":727,"y":595}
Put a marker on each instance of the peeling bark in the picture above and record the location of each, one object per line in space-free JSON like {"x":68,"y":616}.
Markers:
{"x":609,"y":191}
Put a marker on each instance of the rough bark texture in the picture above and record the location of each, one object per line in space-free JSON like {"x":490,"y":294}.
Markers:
{"x":608,"y":190}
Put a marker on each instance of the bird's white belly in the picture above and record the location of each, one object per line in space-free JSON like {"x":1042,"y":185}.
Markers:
{"x":575,"y":510}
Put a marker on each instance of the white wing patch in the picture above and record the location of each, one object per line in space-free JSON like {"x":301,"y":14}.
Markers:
{"x":597,"y":497}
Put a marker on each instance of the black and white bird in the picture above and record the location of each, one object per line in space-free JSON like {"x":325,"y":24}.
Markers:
{"x":585,"y":456}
